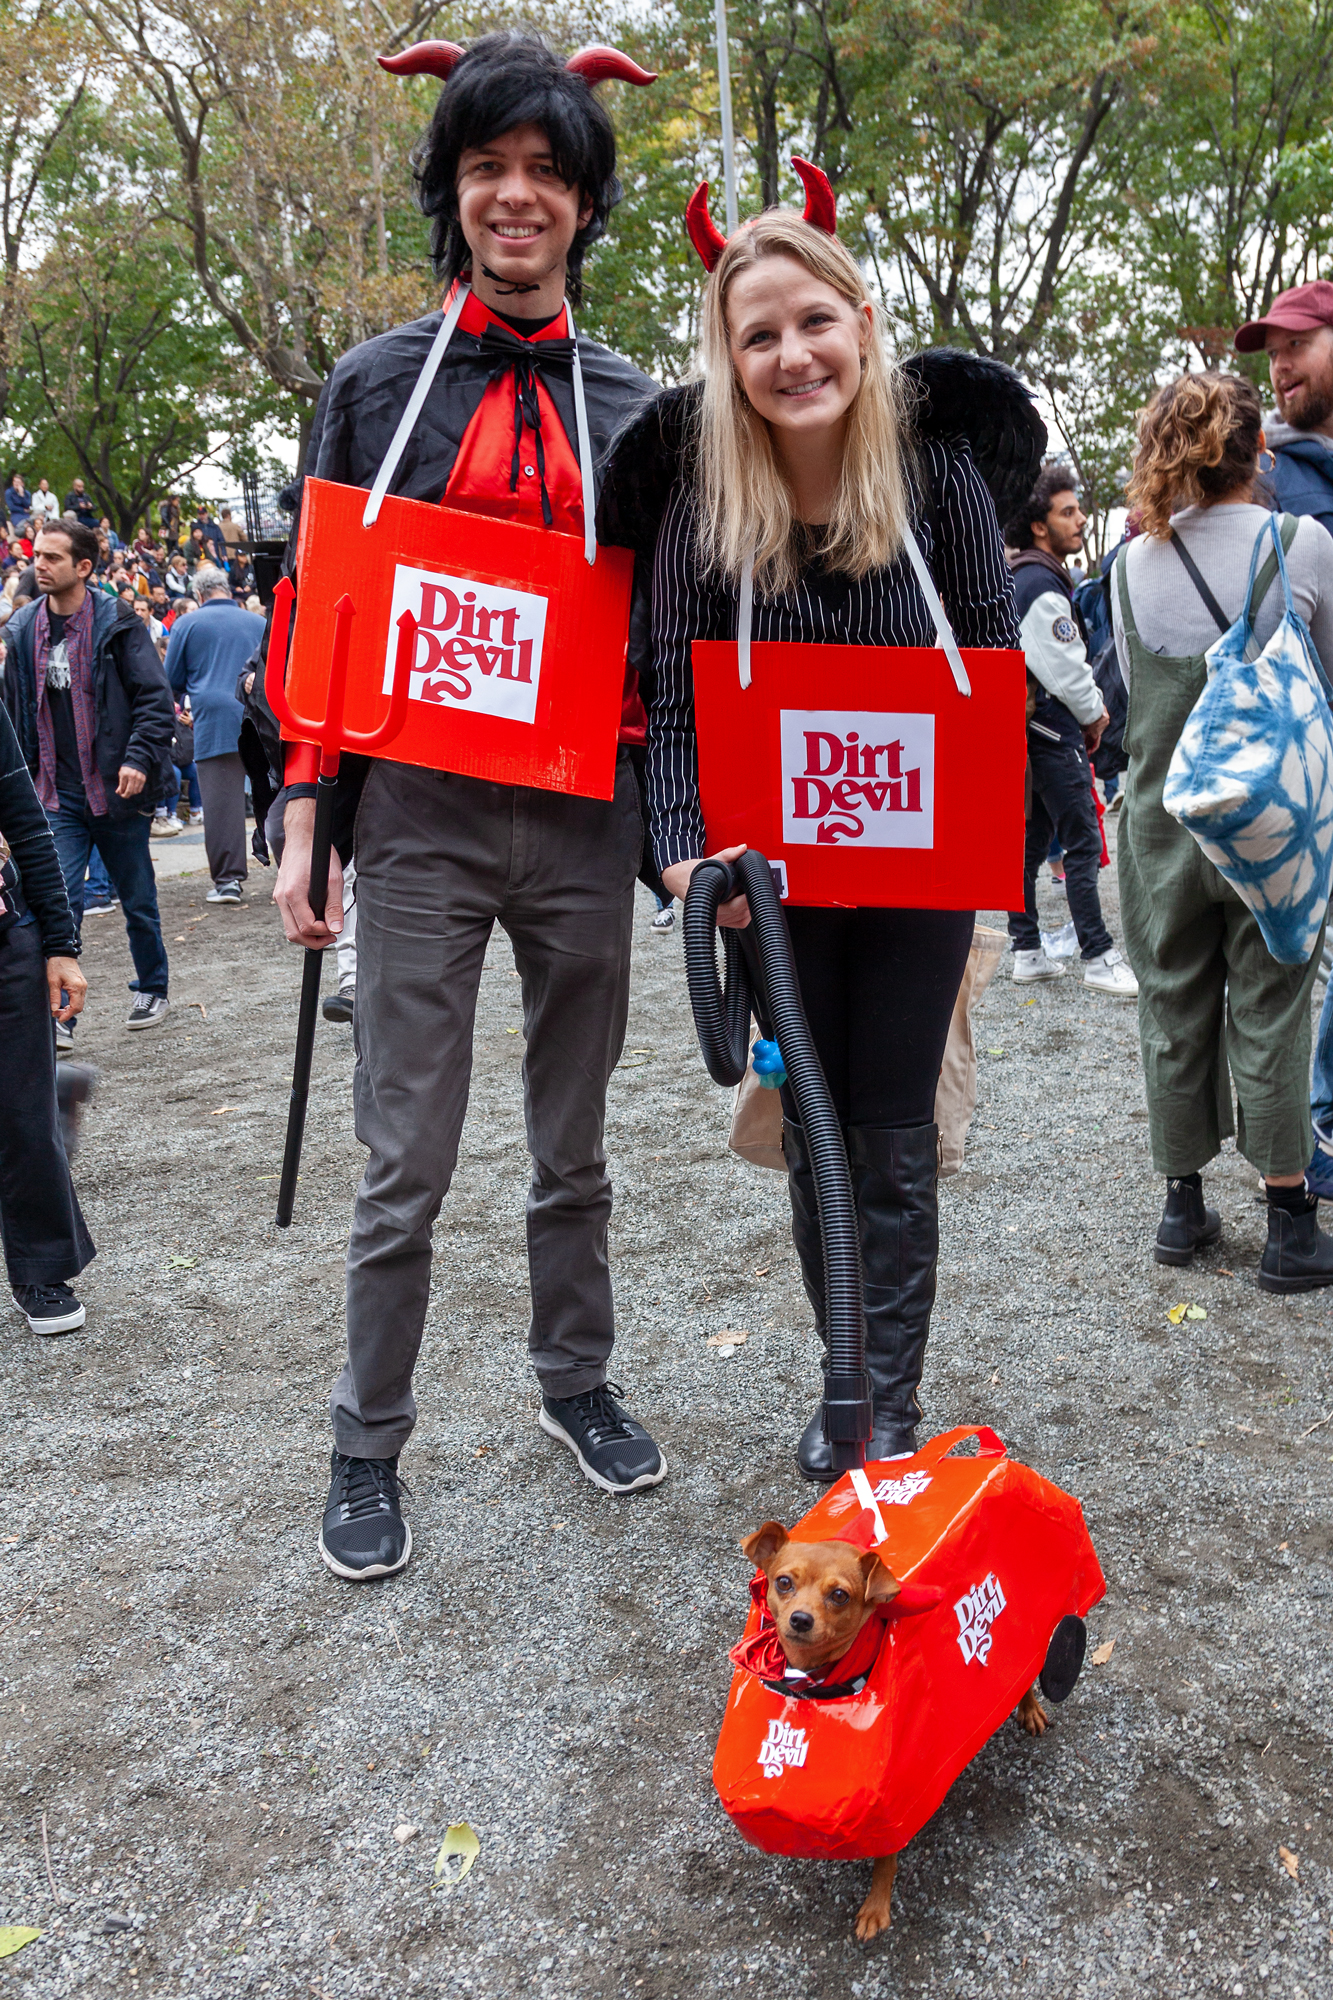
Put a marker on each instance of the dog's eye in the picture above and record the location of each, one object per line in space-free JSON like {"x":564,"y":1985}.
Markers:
{"x":783,"y":1585}
{"x":838,"y":1597}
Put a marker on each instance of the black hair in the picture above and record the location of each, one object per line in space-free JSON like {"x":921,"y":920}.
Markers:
{"x":1057,"y":477}
{"x":506,"y":80}
{"x":82,"y":541}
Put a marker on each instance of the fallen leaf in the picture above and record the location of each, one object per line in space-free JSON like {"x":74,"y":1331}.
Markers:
{"x":1103,"y":1653}
{"x":222,"y":1111}
{"x":181,"y":1263}
{"x":1195,"y":1312}
{"x":13,"y":1937}
{"x":1223,"y":1272}
{"x":995,"y":1052}
{"x":180,"y":939}
{"x":1291,"y":1862}
{"x":460,"y":1844}
{"x":731,"y":1338}
{"x":402,"y":1834}
{"x":1283,"y":1545}
{"x":1176,"y":1313}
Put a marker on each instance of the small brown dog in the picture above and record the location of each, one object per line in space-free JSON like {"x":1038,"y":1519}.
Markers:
{"x":820,"y":1597}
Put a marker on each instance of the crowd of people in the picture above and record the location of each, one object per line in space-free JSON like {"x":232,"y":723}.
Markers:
{"x":796,"y":493}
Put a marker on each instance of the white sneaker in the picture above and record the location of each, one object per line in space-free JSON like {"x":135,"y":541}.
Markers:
{"x":163,"y":829}
{"x":225,"y":892}
{"x":196,"y":816}
{"x":1110,"y":974}
{"x":665,"y":920}
{"x":1030,"y":965}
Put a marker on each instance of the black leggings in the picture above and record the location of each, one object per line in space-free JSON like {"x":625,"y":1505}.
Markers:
{"x":878,"y":988}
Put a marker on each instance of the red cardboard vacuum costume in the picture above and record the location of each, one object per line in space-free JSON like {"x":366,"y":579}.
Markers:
{"x":470,"y":438}
{"x":852,"y":705}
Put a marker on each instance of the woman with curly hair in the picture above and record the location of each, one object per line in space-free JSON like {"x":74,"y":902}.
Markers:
{"x":1211,"y":996}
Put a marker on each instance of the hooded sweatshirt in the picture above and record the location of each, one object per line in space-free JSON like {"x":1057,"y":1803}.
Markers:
{"x":1302,"y":475}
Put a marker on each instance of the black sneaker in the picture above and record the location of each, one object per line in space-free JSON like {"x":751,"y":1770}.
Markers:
{"x":49,"y":1308}
{"x":149,"y":1011}
{"x":364,"y":1533}
{"x":339,"y":1005}
{"x":614,"y":1452}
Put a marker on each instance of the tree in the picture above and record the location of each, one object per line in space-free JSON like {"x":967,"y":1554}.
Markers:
{"x":128,"y":380}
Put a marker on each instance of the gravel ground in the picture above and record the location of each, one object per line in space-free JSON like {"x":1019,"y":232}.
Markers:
{"x":220,"y":1740}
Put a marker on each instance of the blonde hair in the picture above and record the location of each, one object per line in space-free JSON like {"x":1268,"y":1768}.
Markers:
{"x":1198,"y":441}
{"x":745,"y":503}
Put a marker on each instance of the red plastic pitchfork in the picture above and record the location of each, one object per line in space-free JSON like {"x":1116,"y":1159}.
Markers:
{"x":333,"y":737}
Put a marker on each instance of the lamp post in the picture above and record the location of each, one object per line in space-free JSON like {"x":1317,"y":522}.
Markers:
{"x":724,"y":97}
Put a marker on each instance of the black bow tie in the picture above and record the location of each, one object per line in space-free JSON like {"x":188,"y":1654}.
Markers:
{"x":527,"y":358}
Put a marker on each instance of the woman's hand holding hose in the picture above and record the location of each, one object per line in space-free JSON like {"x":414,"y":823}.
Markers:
{"x":734,"y":915}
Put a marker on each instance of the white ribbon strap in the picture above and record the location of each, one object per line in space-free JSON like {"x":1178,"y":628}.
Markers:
{"x":943,"y":629}
{"x":585,"y":448}
{"x":418,"y":396}
{"x":745,"y":620}
{"x":861,"y":1487}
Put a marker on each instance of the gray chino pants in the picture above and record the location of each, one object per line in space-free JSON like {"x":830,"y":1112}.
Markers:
{"x":439,"y":861}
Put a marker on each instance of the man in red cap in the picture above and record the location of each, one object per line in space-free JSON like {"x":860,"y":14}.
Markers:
{"x":1296,"y":333}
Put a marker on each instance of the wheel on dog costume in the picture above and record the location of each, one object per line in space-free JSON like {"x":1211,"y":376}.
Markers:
{"x":1064,"y":1659}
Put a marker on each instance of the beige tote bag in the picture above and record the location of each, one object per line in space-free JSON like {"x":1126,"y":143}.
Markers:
{"x":756,"y":1118}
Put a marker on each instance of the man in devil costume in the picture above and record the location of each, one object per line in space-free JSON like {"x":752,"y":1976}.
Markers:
{"x":517,"y":172}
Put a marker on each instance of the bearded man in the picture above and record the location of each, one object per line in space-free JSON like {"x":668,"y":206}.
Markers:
{"x":518,"y":173}
{"x":1296,"y":333}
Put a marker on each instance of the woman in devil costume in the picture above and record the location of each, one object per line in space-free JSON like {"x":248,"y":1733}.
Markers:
{"x":517,"y":173}
{"x":780,"y":491}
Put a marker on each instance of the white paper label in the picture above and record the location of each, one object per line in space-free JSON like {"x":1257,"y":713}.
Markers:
{"x":857,"y":780}
{"x":479,"y":645}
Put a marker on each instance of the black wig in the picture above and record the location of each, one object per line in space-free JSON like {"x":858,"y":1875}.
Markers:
{"x":502,"y":81}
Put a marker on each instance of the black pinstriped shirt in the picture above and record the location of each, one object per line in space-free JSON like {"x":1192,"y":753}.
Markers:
{"x":966,"y":557}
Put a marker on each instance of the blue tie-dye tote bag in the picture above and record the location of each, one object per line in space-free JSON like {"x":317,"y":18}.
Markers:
{"x":1252,"y":774}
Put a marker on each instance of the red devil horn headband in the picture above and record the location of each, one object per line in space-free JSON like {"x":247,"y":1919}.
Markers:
{"x":821,"y":211}
{"x":594,"y":65}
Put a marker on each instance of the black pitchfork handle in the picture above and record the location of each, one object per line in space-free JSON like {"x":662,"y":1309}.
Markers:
{"x":320,"y":848}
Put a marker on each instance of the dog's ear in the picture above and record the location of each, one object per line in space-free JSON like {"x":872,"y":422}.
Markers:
{"x":764,"y":1543}
{"x":881,"y":1585}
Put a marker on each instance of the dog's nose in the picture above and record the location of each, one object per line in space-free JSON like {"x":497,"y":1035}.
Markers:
{"x":802,"y":1622}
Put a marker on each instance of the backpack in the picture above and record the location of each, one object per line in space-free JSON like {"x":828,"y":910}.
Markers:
{"x":1252,"y":775}
{"x":1093,"y":600}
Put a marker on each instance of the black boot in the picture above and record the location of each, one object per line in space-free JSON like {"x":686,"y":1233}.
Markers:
{"x":1298,"y":1256}
{"x":894,"y":1182}
{"x":1185,"y":1223}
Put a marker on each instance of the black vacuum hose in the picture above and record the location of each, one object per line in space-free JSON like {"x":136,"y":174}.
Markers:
{"x":722,"y":1021}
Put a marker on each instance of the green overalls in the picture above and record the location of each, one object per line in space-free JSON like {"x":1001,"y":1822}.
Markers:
{"x":1194,"y":946}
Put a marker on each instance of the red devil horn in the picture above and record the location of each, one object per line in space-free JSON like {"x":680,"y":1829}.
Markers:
{"x":703,"y":232}
{"x":602,"y":65}
{"x":424,"y":59}
{"x":821,"y":204}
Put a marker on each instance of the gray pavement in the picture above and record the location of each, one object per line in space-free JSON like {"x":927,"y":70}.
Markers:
{"x":223,"y":1743}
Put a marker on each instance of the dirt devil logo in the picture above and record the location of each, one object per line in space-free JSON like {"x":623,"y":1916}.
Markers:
{"x":976,"y":1613}
{"x":782,"y":1746}
{"x":479,"y":645}
{"x":868,"y":778}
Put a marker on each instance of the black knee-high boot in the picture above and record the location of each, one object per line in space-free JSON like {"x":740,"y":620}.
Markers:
{"x":894,"y":1182}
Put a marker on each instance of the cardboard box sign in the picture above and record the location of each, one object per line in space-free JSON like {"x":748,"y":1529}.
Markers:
{"x":863,"y":774}
{"x":520,"y":663}
{"x":858,"y":1776}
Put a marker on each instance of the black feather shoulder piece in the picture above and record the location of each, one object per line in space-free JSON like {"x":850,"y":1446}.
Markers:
{"x":960,"y":398}
{"x":968,"y":398}
{"x":644,"y":460}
